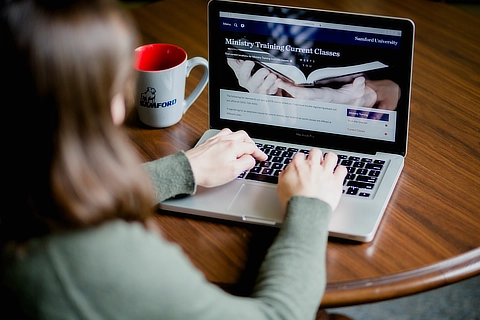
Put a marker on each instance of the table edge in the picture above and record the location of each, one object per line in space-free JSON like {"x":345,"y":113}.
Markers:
{"x":433,"y":276}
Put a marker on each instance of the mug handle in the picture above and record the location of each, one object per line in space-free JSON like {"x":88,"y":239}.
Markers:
{"x":192,"y":63}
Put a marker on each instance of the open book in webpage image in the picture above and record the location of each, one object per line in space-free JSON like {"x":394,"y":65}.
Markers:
{"x":246,"y":50}
{"x":296,"y":76}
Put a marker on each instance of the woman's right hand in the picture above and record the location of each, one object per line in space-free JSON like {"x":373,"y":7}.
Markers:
{"x":314,"y":176}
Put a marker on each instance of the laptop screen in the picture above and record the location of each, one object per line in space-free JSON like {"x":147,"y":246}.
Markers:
{"x":321,"y":78}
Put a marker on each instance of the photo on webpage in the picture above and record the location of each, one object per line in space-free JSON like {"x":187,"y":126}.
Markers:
{"x":319,"y":78}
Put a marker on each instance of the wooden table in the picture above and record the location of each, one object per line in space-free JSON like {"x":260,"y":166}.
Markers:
{"x":430,"y":235}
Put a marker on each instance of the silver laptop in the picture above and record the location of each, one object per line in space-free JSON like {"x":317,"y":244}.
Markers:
{"x":344,"y":83}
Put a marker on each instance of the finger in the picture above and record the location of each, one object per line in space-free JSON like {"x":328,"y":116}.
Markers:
{"x":268,"y":84}
{"x":359,"y":83}
{"x":245,"y":162}
{"x":298,"y":159}
{"x":290,"y":89}
{"x":250,"y":148}
{"x":233,"y":63}
{"x":330,"y":161}
{"x":245,"y":71}
{"x":299,"y":156}
{"x":315,"y":156}
{"x":340,"y":173}
{"x":259,"y":155}
{"x":273,"y":89}
{"x":259,"y":77}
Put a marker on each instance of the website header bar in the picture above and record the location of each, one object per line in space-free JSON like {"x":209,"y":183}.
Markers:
{"x":316,"y":24}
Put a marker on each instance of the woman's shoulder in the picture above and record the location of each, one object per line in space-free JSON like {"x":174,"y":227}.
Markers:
{"x":107,"y":243}
{"x":117,"y":260}
{"x":113,"y":242}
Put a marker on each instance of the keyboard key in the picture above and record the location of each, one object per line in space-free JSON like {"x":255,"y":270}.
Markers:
{"x":275,"y":153}
{"x":350,"y":176}
{"x":362,"y":171}
{"x":277,"y":159}
{"x":358,"y":165}
{"x":266,"y":151}
{"x":277,"y":166}
{"x":351,"y":170}
{"x":352,"y":191}
{"x":374,"y":173}
{"x":360,"y":185}
{"x":288,"y":154}
{"x":367,"y":179}
{"x":267,"y":171}
{"x":261,"y":177}
{"x":374,"y":166}
{"x":255,"y":170}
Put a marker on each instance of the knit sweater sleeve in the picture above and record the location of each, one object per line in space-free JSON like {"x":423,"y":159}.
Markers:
{"x":293,"y":274}
{"x":171,"y":176}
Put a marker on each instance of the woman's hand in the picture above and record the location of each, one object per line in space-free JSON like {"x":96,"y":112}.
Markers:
{"x":223,"y":157}
{"x":314,"y":176}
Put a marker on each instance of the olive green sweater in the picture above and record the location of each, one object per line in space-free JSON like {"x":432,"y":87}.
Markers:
{"x":120,"y":270}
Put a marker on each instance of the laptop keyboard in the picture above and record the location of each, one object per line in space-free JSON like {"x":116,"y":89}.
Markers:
{"x":363,"y":173}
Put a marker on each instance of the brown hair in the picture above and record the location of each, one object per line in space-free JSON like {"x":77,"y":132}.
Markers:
{"x":71,"y":166}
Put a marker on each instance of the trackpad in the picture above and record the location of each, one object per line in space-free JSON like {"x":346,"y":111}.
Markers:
{"x":256,"y":202}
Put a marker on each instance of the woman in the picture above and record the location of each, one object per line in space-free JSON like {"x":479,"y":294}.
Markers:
{"x":76,"y":239}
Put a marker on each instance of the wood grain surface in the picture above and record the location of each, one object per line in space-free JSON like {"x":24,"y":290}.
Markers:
{"x":430,"y":235}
